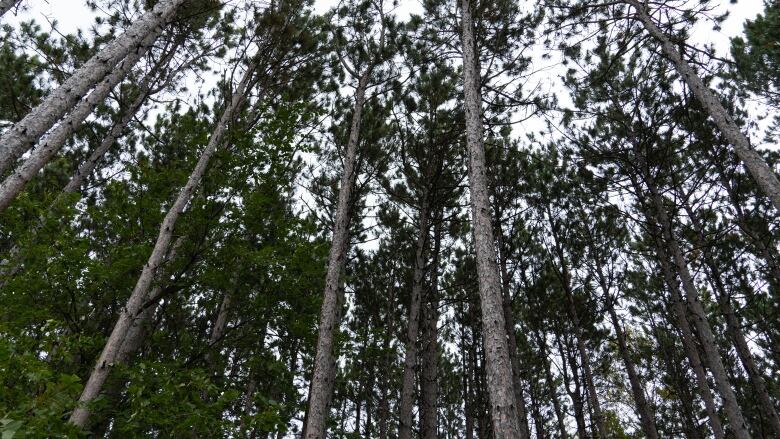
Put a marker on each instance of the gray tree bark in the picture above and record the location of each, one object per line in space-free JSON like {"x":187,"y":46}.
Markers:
{"x":551,"y":387}
{"x":130,"y":312}
{"x":145,"y":88}
{"x":7,"y":5}
{"x":430,"y":358}
{"x":689,"y":345}
{"x":509,"y":321}
{"x":643,"y":407}
{"x":410,"y":360}
{"x":24,"y":134}
{"x":324,"y":362}
{"x":52,"y":143}
{"x":734,"y":327}
{"x":764,"y":176}
{"x":503,"y":407}
{"x":711,"y":355}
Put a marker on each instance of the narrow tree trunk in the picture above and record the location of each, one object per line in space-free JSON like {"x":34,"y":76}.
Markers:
{"x":643,"y":408}
{"x":503,"y":406}
{"x":7,"y":5}
{"x":131,"y":309}
{"x":734,"y":328}
{"x":220,"y":326}
{"x":676,"y":371}
{"x":509,"y":321}
{"x":712,"y":356}
{"x":405,"y":423}
{"x":689,"y":345}
{"x":144,"y":90}
{"x":764,"y":176}
{"x":590,"y":386}
{"x":52,"y":143}
{"x":25,"y":133}
{"x":324,"y":362}
{"x":384,"y":403}
{"x":551,"y":388}
{"x":576,"y":394}
{"x":430,"y":357}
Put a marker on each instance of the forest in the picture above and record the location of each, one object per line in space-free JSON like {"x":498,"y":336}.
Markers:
{"x":481,"y":219}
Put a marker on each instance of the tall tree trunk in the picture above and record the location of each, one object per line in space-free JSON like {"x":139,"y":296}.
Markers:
{"x":324,"y":373}
{"x":405,"y":423}
{"x":509,"y":321}
{"x":734,"y":327}
{"x":576,"y":394}
{"x":677,"y":373}
{"x":643,"y":408}
{"x":384,"y":403}
{"x":24,"y":134}
{"x":130,"y":312}
{"x":220,"y":325}
{"x":430,"y":357}
{"x":689,"y":345}
{"x":551,"y":387}
{"x":590,"y":387}
{"x":14,"y":262}
{"x":764,"y":176}
{"x":52,"y":143}
{"x":503,"y":407}
{"x":144,"y":90}
{"x":704,"y":331}
{"x":133,"y":341}
{"x":7,"y":5}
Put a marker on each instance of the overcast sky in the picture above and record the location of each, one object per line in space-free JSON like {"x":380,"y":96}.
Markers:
{"x":73,"y":15}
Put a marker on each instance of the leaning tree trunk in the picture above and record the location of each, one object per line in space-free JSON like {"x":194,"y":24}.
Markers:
{"x":703,"y":330}
{"x":14,"y":261}
{"x":7,"y":5}
{"x":503,"y":407}
{"x":52,"y":143}
{"x":26,"y":133}
{"x":734,"y":328}
{"x":144,"y":90}
{"x":410,"y":360}
{"x":643,"y":407}
{"x":324,"y":373}
{"x":133,"y":341}
{"x":130,"y":312}
{"x":764,"y":176}
{"x":688,"y":341}
{"x":689,"y":344}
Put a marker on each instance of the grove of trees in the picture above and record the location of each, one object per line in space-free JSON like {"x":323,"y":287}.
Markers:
{"x":485,"y":219}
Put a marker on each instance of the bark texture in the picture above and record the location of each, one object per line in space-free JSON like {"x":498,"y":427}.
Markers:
{"x":53,"y":142}
{"x":430,"y":358}
{"x":405,"y":423}
{"x":734,"y":328}
{"x":7,"y":5}
{"x":643,"y":407}
{"x":503,"y":408}
{"x":25,"y":134}
{"x":737,"y":422}
{"x":764,"y":176}
{"x":324,"y":362}
{"x":134,"y":304}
